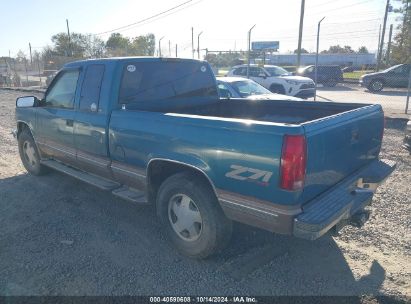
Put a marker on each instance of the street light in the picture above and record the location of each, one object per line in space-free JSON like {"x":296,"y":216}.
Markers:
{"x":316,"y":58}
{"x":159,"y":46}
{"x":249,"y":46}
{"x":198,"y":45}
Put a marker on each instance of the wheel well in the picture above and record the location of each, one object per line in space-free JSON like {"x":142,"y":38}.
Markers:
{"x":159,"y":170}
{"x":277,"y":86}
{"x":21,"y":126}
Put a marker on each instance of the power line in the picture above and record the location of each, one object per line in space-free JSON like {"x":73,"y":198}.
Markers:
{"x":146,"y":19}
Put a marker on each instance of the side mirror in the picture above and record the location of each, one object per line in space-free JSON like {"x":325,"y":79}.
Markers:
{"x":262,"y":75}
{"x":27,"y":102}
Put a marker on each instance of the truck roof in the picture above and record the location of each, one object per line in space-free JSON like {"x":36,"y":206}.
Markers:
{"x":117,"y":59}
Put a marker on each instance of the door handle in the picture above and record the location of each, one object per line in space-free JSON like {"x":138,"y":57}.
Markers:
{"x":69,"y":122}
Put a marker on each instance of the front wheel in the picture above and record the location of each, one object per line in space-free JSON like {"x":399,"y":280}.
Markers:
{"x":376,"y":85}
{"x":192,"y":217}
{"x":29,"y":154}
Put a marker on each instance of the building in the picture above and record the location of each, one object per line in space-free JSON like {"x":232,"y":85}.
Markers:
{"x":345,"y":59}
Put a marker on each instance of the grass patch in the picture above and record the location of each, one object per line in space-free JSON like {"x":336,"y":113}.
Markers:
{"x":355,"y":75}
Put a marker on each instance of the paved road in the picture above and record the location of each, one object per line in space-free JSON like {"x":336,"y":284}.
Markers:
{"x":392,"y":100}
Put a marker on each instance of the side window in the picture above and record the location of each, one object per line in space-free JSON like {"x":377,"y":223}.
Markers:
{"x":254,"y":72}
{"x":148,"y":81}
{"x":240,"y":71}
{"x":90,"y":90}
{"x":401,"y":70}
{"x":63,"y":91}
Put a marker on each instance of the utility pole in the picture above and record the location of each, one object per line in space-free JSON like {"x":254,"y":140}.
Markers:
{"x":176,"y":51}
{"x":192,"y":41}
{"x":31,"y":57}
{"x":159,"y":46}
{"x":316,"y":58}
{"x":300,"y":33}
{"x":249,"y":49}
{"x":70,"y":53}
{"x":169,"y":48}
{"x":198,"y":45}
{"x":382,"y":36}
{"x":387,"y":58}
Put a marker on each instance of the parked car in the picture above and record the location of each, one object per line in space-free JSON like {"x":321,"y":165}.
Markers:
{"x":328,"y":75}
{"x":348,"y":69}
{"x":276,"y":79}
{"x":407,"y":138}
{"x":155,"y":131}
{"x":238,"y":87}
{"x":395,"y":76}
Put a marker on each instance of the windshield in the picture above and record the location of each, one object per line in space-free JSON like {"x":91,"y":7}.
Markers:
{"x":246,"y":88}
{"x":276,"y":71}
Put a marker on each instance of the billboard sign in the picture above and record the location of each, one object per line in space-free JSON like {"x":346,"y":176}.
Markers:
{"x":265,"y":45}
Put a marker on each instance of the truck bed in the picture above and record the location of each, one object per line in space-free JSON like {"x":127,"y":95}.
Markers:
{"x":287,"y":112}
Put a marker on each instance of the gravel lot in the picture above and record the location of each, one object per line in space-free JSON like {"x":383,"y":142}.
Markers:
{"x":59,"y":236}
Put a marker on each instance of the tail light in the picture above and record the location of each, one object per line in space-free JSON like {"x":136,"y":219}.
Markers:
{"x":293,"y":162}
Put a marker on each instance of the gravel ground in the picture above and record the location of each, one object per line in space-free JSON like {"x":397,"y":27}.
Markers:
{"x":59,"y":236}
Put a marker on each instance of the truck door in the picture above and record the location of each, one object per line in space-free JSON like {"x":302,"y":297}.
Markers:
{"x":90,"y":124}
{"x":55,"y":117}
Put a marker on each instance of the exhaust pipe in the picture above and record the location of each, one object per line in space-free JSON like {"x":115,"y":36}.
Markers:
{"x":358,"y":219}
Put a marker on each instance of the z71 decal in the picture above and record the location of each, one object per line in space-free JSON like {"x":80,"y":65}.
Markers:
{"x":249,"y":174}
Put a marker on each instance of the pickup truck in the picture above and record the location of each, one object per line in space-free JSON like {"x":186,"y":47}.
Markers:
{"x":154,"y":131}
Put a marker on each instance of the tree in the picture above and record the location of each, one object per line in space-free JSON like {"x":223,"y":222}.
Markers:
{"x":118,"y":45}
{"x":73,"y":48}
{"x":143,"y":45}
{"x":94,"y":47}
{"x":401,"y":48}
{"x":303,"y":51}
{"x":337,"y":49}
{"x":21,"y":56}
{"x":362,"y":50}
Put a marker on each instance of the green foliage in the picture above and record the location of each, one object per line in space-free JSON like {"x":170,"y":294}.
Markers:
{"x":401,"y":48}
{"x":226,"y":59}
{"x":337,"y":49}
{"x":362,"y":50}
{"x":118,"y":45}
{"x":303,"y":51}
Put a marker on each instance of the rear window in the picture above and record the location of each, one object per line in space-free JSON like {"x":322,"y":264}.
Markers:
{"x":146,"y":81}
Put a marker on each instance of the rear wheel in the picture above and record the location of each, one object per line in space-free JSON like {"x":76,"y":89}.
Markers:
{"x":331,"y":83}
{"x":376,"y":85}
{"x":192,"y":217}
{"x":29,"y":155}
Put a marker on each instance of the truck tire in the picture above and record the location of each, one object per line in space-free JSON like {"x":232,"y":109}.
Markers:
{"x":277,"y":88}
{"x":192,"y":217}
{"x":376,"y":85}
{"x":29,"y":155}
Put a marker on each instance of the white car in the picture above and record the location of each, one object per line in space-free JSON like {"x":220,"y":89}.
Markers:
{"x":277,"y":80}
{"x":238,"y":87}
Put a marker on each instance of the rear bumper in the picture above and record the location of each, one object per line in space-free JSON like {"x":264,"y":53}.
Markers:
{"x":340,"y":203}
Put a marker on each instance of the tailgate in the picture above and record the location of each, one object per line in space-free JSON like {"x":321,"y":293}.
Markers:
{"x":339,"y":145}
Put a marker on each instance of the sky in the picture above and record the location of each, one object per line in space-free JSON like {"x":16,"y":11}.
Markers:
{"x":224,"y":23}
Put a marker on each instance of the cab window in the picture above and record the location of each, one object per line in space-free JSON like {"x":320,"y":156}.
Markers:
{"x":90,"y":90}
{"x":63,"y":91}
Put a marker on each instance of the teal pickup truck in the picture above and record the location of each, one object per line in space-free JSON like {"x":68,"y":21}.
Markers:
{"x":154,"y":131}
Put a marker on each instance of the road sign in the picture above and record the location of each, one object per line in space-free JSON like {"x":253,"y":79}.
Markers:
{"x":265,"y":45}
